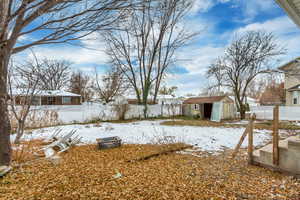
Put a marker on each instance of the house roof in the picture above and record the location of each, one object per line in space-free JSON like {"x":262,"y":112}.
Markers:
{"x":296,"y":87}
{"x":292,"y":8}
{"x":286,"y":66}
{"x":20,"y":92}
{"x":161,"y":96}
{"x":199,"y":100}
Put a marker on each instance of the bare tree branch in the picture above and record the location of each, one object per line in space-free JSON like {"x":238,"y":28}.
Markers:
{"x":143,"y":49}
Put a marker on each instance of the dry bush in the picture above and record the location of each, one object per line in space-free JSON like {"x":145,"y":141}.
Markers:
{"x":37,"y":119}
{"x":25,"y":151}
{"x":121,"y":110}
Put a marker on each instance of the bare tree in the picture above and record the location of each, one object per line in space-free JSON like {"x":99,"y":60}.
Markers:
{"x":143,"y":49}
{"x":52,"y":21}
{"x":248,"y":56}
{"x":211,"y":90}
{"x":23,"y":86}
{"x":112,"y":84}
{"x":54,"y":74}
{"x":256,"y":88}
{"x":80,"y":83}
{"x":168,"y":91}
{"x":215,"y":70}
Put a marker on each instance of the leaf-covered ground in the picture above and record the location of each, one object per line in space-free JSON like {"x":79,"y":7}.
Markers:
{"x":87,"y":173}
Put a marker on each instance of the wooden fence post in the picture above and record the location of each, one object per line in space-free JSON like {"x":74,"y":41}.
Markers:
{"x":250,"y":140}
{"x":275,"y":135}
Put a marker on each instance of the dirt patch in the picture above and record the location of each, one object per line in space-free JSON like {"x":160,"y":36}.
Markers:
{"x":87,"y":173}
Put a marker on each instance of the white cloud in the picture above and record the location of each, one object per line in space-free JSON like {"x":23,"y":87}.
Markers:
{"x":280,"y":26}
{"x":205,"y":5}
{"x":91,"y":52}
{"x":201,"y":6}
{"x":196,"y":59}
{"x":251,"y":8}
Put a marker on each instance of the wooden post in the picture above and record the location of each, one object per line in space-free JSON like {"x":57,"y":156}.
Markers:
{"x":250,"y":140}
{"x":275,"y":135}
{"x":238,"y":146}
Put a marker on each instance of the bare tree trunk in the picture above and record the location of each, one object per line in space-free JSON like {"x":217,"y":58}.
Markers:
{"x":20,"y":131}
{"x":145,"y":99}
{"x":243,"y":111}
{"x":241,"y":106}
{"x":5,"y":146}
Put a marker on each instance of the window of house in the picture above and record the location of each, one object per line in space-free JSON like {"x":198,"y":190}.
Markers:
{"x":295,"y":97}
{"x":196,"y":107}
{"x":35,"y":100}
{"x":66,"y":100}
{"x":51,"y":100}
{"x":295,"y":101}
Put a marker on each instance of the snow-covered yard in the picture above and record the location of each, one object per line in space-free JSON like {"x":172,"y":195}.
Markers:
{"x":143,"y":132}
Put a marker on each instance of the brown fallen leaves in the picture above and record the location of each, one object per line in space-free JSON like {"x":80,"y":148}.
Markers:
{"x":87,"y":173}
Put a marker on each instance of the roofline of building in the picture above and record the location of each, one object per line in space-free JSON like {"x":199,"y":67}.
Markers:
{"x":286,"y":64}
{"x":291,"y":10}
{"x":191,"y":98}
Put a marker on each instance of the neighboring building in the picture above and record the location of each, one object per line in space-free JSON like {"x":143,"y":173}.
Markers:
{"x":292,"y":82}
{"x":168,"y":100}
{"x":48,"y":97}
{"x":214,"y":108}
{"x":161,"y":100}
{"x":292,"y":8}
{"x":273,"y":94}
{"x":248,"y":100}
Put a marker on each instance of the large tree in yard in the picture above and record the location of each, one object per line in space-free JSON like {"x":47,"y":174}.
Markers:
{"x":245,"y":58}
{"x":144,"y":47}
{"x":39,"y":22}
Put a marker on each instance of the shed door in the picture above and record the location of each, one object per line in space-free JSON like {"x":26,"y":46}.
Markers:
{"x":216,"y":112}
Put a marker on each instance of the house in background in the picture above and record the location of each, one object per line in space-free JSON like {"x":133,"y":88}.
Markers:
{"x":47,"y":97}
{"x":292,"y":82}
{"x":161,"y":100}
{"x":213,"y":108}
{"x":168,"y":100}
{"x":248,"y":100}
{"x":273,"y":94}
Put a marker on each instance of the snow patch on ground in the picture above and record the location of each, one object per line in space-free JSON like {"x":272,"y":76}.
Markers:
{"x":145,"y":132}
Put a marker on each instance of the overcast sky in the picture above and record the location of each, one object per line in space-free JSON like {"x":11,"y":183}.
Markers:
{"x":217,"y":21}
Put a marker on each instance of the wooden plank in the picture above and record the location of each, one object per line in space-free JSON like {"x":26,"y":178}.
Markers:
{"x":275,"y":136}
{"x":250,"y":140}
{"x":169,"y":151}
{"x":238,"y":146}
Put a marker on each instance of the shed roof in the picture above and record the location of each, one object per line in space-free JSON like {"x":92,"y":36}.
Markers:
{"x":199,"y":100}
{"x":289,"y":65}
{"x":295,"y":88}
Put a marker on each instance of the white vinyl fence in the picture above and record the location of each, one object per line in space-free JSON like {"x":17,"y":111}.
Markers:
{"x":291,"y":113}
{"x":94,"y":111}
